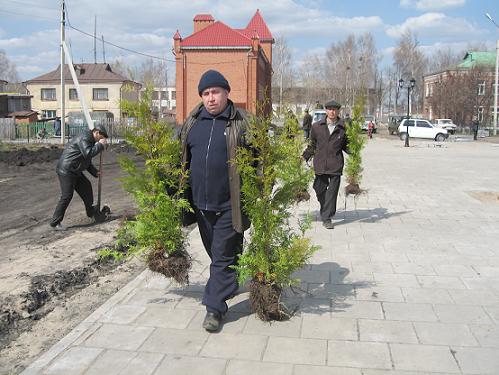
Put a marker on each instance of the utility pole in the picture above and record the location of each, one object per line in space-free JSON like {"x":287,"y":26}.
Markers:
{"x":103,"y":49}
{"x":63,"y":98}
{"x":496,"y":80}
{"x":95,"y":39}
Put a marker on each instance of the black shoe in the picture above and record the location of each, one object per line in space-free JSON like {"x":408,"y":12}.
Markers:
{"x":328,"y":224}
{"x":212,"y":321}
{"x":92,"y":212}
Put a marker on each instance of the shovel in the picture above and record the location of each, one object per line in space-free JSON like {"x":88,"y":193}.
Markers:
{"x":101,"y":214}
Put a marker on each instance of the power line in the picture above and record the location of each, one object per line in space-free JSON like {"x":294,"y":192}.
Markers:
{"x":28,"y":15}
{"x":110,"y":43}
{"x":148,"y":55}
{"x":120,"y":47}
{"x":31,"y":4}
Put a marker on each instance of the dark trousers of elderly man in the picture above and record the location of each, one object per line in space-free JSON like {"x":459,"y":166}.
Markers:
{"x":326,"y":189}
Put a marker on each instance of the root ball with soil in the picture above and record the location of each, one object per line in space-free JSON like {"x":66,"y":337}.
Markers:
{"x":265,"y":301}
{"x":175,"y":266}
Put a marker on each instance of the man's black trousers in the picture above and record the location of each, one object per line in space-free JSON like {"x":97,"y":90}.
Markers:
{"x":326,"y":188}
{"x":68,"y":186}
{"x":223,"y":245}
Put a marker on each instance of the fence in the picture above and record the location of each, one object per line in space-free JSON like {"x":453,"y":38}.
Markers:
{"x":7,"y":129}
{"x":32,"y":132}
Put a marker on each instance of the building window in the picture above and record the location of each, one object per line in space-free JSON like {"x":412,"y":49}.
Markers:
{"x":480,"y":114}
{"x":155,"y":95}
{"x":48,"y":94}
{"x":73,"y":94}
{"x":174,"y":95}
{"x":429,"y":89}
{"x":481,"y":88}
{"x":48,"y":113}
{"x":100,"y":94}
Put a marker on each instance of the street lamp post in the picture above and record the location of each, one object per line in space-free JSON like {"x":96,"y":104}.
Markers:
{"x":409,"y":86}
{"x":496,"y":76}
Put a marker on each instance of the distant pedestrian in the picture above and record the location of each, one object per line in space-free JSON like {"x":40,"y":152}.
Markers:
{"x":370,"y":129}
{"x":291,"y":124}
{"x":307,"y":124}
{"x":474,"y":128}
{"x":42,"y":134}
{"x":76,"y":158}
{"x":328,"y":141}
{"x":57,"y":126}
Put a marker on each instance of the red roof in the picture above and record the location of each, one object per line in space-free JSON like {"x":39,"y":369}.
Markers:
{"x":203,"y":17}
{"x":217,"y":35}
{"x":258,"y":24}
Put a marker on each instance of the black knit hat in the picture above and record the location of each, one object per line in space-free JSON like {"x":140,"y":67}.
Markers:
{"x":212,"y":78}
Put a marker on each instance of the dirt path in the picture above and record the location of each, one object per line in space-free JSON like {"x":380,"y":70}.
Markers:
{"x":50,"y":281}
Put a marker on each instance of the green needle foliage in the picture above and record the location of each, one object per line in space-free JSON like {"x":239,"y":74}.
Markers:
{"x":356,"y":140}
{"x":157,"y":184}
{"x":272,"y":175}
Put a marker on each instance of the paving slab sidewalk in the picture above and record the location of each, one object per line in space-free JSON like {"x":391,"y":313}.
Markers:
{"x":406,"y":283}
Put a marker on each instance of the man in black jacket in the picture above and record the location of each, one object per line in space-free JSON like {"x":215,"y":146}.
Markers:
{"x":76,"y":158}
{"x":307,"y":123}
{"x":328,"y":141}
{"x":210,"y":137}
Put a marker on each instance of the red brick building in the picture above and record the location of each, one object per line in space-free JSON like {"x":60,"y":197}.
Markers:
{"x":243,"y":56}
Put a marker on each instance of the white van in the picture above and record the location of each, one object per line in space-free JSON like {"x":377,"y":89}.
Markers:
{"x":318,"y":115}
{"x":446,"y":123}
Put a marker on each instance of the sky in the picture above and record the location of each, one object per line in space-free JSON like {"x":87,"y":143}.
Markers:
{"x":30,"y":29}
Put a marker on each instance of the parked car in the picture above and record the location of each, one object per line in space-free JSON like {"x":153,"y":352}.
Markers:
{"x":393,"y":124}
{"x":446,"y":123}
{"x":421,"y":129}
{"x":367,"y":119}
{"x":318,"y":115}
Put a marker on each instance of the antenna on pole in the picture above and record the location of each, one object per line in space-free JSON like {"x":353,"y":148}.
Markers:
{"x":103,"y":49}
{"x":95,"y":39}
{"x":63,"y":98}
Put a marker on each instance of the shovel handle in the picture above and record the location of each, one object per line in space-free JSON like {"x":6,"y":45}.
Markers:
{"x":99,"y":188}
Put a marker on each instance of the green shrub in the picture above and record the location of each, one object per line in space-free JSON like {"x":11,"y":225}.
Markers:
{"x":273,"y":173}
{"x":157,"y":183}
{"x":356,"y":140}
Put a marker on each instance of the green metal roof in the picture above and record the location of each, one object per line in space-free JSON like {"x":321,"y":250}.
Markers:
{"x":472,"y":59}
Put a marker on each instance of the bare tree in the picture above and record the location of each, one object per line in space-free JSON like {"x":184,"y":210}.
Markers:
{"x":463,"y":94}
{"x":149,"y":72}
{"x":311,"y":78}
{"x":8,"y":71}
{"x":281,"y":65}
{"x":444,"y":59}
{"x":351,"y":68}
{"x":410,"y":62}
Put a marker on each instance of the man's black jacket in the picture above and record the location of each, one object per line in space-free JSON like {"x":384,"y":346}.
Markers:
{"x":327,"y":149}
{"x":77,"y":155}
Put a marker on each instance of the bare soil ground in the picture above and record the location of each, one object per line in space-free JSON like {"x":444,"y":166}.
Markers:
{"x":50,"y":281}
